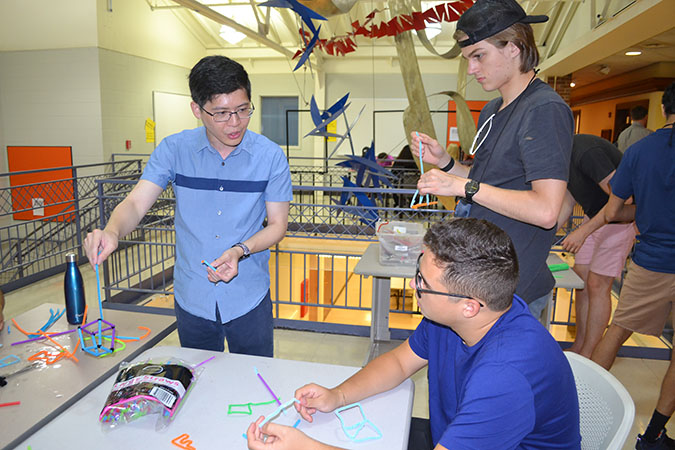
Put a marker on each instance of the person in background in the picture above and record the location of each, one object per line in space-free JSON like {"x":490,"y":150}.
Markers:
{"x":647,"y":172}
{"x":522,"y":149}
{"x":637,"y":129}
{"x":385,"y":160}
{"x":497,"y":378}
{"x":601,"y":249}
{"x":227,"y":181}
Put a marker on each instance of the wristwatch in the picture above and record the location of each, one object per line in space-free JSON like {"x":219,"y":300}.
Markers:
{"x":470,"y":189}
{"x":244,"y":248}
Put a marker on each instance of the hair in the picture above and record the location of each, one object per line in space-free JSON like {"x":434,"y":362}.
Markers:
{"x":521,"y":35}
{"x":668,"y":100}
{"x":215,"y":75}
{"x":478,"y":260}
{"x":638,"y":113}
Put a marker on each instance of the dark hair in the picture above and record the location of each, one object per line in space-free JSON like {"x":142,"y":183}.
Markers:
{"x":215,"y":75}
{"x":668,"y":99}
{"x":478,"y":259}
{"x":638,"y":113}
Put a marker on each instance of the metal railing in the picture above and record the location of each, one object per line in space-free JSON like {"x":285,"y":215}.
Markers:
{"x":44,"y":220}
{"x":316,"y":282}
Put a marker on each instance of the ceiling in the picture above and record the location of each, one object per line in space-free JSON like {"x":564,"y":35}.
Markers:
{"x":660,"y":48}
{"x":274,"y":32}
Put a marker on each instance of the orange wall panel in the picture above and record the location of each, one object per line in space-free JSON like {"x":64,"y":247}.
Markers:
{"x":54,"y":187}
{"x":474,"y":105}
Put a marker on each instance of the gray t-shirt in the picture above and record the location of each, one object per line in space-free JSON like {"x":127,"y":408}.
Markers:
{"x":631,"y":135}
{"x":530,"y":139}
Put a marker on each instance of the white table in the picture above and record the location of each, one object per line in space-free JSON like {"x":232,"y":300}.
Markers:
{"x":47,"y":391}
{"x":228,"y":379}
{"x":370,"y":265}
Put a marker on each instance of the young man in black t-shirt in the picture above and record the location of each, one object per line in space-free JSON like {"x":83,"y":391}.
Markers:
{"x":522,"y":151}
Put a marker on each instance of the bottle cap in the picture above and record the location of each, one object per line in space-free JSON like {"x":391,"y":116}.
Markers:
{"x":71,"y":257}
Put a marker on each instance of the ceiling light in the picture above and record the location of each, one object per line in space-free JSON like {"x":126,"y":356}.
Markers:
{"x":633,"y":53}
{"x":572,"y":84}
{"x":231,"y":35}
{"x":604,"y":69}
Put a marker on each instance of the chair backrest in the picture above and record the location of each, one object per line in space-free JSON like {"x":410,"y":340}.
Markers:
{"x":606,"y":410}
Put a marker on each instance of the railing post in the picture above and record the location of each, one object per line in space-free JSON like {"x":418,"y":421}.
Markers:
{"x":78,"y":218}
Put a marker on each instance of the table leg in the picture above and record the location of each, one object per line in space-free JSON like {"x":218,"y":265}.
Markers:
{"x":379,"y":322}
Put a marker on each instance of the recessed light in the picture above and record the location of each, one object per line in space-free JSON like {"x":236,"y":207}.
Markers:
{"x":572,"y":84}
{"x":633,"y":53}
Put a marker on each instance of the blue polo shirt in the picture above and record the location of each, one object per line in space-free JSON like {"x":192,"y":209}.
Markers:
{"x":514,"y":389}
{"x":219,"y":202}
{"x":647,"y":172}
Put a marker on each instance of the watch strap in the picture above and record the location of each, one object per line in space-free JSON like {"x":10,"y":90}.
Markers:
{"x":470,"y":189}
{"x":245,"y":249}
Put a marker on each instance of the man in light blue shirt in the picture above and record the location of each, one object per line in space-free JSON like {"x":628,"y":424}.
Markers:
{"x":227,"y":181}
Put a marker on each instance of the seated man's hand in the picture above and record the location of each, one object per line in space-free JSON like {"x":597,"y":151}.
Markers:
{"x":316,"y":398}
{"x":279,"y":437}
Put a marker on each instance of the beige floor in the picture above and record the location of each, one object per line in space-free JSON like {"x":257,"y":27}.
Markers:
{"x":641,"y":377}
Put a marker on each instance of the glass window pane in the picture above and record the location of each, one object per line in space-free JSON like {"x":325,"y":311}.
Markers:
{"x":275,"y":120}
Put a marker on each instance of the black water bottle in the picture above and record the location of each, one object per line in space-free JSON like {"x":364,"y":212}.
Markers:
{"x":73,"y":288}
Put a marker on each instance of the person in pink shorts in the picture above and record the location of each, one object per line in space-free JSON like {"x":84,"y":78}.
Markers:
{"x":601,"y":249}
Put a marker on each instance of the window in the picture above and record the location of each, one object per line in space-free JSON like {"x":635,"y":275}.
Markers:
{"x":276,"y":122}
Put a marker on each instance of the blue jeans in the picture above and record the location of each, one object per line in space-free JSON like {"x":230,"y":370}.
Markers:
{"x":537,"y":307}
{"x":250,"y":334}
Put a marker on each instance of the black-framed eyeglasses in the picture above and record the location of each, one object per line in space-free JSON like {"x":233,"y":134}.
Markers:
{"x":224,"y":116}
{"x":419,"y":291}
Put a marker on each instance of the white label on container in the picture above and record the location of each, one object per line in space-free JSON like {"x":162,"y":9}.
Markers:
{"x":401,"y":248}
{"x":164,"y":396}
{"x":399,"y":230}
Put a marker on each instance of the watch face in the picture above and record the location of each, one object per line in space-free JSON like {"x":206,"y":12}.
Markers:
{"x":471,"y":187}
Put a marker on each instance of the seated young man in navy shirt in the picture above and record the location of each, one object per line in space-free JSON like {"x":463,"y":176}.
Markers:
{"x":497,"y":379}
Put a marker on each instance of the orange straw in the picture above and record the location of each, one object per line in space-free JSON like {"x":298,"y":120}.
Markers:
{"x":419,"y":205}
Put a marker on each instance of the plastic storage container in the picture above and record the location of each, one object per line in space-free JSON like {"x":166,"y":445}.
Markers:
{"x":400,"y":242}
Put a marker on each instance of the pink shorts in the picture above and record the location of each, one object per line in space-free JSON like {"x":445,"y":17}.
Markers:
{"x":607,"y":248}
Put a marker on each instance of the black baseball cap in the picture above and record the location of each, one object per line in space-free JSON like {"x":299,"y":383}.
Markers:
{"x":488,"y":17}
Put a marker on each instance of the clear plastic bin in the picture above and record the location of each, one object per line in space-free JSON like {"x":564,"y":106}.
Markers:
{"x":400,"y":242}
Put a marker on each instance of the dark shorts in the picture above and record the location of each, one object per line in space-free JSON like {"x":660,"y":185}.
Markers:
{"x":250,"y":334}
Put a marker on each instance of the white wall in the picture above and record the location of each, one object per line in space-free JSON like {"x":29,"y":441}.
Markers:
{"x":52,"y":97}
{"x":48,"y":24}
{"x":100,"y":94}
{"x":127,"y":84}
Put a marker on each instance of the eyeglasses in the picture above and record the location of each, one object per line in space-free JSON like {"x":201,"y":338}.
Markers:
{"x":419,"y":291}
{"x":224,"y":116}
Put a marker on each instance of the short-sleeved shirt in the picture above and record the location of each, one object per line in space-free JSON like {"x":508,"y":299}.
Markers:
{"x":647,"y":172}
{"x":219,"y":202}
{"x":530,"y":139}
{"x":631,"y":135}
{"x":593,"y":158}
{"x":514,"y":389}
